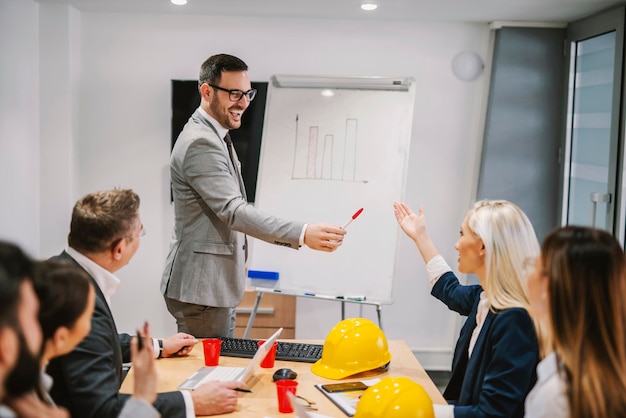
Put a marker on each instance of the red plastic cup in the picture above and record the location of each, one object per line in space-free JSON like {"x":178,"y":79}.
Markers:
{"x":268,"y":361}
{"x":282,"y":387}
{"x":212,"y":347}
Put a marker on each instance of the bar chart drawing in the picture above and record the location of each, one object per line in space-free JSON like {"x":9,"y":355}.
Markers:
{"x":320,"y":155}
{"x":322,"y":158}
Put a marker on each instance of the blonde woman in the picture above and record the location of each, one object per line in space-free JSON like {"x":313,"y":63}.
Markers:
{"x":497,"y":350}
{"x":577,"y":290}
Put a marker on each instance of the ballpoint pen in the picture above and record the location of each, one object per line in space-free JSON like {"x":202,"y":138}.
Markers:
{"x":243,"y":390}
{"x":139,"y":341}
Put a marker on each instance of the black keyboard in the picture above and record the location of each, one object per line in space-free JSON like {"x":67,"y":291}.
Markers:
{"x":289,"y":351}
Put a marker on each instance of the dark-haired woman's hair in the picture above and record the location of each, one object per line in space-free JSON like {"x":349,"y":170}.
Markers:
{"x":587,"y":288}
{"x":63,"y":291}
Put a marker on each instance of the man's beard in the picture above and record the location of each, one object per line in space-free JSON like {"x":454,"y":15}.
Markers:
{"x":25,"y":374}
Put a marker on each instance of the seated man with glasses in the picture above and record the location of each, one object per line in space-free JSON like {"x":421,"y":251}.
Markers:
{"x":105,"y":233}
{"x":204,"y":277}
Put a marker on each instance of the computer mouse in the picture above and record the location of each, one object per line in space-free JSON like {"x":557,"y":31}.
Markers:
{"x":282,"y":374}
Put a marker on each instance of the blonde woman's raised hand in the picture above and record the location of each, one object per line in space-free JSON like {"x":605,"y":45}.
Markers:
{"x":411,"y":223}
{"x":414,"y":225}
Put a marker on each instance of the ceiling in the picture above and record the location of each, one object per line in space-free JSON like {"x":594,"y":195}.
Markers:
{"x":411,"y":10}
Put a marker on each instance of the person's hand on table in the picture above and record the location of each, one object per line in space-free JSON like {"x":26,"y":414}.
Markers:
{"x":178,"y":345}
{"x":213,"y":398}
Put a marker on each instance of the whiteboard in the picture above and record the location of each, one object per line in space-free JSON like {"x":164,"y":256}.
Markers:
{"x":323,"y":157}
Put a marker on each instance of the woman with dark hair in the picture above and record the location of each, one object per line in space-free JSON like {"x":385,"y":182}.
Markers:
{"x":577,"y":290}
{"x":66,"y":303}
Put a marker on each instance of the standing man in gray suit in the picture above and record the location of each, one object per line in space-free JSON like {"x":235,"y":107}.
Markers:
{"x":204,"y":277}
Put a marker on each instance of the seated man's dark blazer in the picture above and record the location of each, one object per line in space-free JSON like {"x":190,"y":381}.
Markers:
{"x":87,"y":380}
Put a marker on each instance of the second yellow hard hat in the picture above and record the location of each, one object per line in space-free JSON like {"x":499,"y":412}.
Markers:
{"x":395,"y":397}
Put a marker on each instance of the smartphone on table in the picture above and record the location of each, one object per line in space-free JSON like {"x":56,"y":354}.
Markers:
{"x":344,"y":387}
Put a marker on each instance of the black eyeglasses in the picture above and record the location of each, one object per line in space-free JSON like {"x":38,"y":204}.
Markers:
{"x":236,"y":95}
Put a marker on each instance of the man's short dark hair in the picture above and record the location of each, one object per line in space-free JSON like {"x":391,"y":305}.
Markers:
{"x":101,"y":219}
{"x":212,"y":69}
{"x":15,"y":267}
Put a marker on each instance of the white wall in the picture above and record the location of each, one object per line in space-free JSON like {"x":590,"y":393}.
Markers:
{"x":119,"y":119}
{"x":59,"y":69}
{"x":19,"y":124}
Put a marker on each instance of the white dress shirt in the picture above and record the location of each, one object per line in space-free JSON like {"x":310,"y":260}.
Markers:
{"x":548,"y":399}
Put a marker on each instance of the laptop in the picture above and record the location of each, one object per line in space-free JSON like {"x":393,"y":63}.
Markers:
{"x":225,"y":373}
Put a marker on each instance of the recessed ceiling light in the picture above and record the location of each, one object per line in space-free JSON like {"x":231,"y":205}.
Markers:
{"x":327,"y":93}
{"x":369,"y":6}
{"x":179,"y":2}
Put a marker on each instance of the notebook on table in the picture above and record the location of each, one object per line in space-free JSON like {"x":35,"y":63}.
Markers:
{"x":226,"y":373}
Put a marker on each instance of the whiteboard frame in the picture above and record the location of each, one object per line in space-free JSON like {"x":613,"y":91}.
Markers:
{"x":390,"y":84}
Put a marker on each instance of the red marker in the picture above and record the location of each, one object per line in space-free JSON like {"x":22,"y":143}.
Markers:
{"x":358,"y":212}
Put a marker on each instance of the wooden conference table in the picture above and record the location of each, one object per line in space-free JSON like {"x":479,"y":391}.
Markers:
{"x":262,"y":401}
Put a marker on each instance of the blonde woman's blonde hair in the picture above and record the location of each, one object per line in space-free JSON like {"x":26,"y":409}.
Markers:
{"x":509,"y":240}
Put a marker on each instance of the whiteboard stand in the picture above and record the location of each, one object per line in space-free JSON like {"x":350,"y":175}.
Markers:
{"x":253,"y":314}
{"x":378,"y":309}
{"x":337,"y":299}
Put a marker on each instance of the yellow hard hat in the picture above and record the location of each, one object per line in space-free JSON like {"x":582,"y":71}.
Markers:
{"x":395,"y":397}
{"x":353,"y":346}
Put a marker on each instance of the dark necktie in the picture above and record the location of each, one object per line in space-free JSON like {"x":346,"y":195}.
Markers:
{"x":229,"y":145}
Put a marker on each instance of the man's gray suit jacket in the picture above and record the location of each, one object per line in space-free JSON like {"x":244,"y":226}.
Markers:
{"x":205,"y":264}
